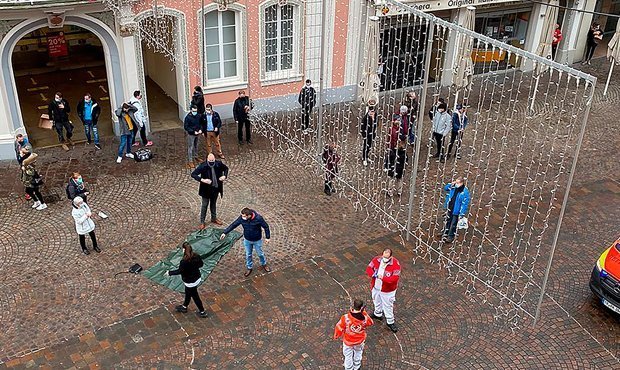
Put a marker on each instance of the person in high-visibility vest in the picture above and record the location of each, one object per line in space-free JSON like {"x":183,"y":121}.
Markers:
{"x":384,"y":273}
{"x":352,"y":328}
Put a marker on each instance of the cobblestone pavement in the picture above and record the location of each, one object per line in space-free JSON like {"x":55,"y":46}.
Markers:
{"x":61,"y":309}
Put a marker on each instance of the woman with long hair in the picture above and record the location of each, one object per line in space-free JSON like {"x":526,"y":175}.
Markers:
{"x":595,"y":35}
{"x":189,"y":269}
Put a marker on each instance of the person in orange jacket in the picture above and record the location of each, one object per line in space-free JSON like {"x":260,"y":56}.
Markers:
{"x":352,"y":328}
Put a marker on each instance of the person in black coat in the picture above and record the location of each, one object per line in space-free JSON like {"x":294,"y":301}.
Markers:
{"x":241,"y":110}
{"x":368,"y":130}
{"x":398,"y":160}
{"x":189,"y":269}
{"x":89,"y":110}
{"x":75,"y":188}
{"x":594,"y":37}
{"x":193,"y":125}
{"x":198,"y":99}
{"x":211,"y":175}
{"x":307,"y":100}
{"x":58,"y":111}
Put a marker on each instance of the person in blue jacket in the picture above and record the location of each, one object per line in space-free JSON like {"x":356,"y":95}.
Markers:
{"x":456,"y":205}
{"x":252,"y":223}
{"x":459,"y":122}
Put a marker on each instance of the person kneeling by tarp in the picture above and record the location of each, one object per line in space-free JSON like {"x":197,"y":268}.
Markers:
{"x":189,"y":269}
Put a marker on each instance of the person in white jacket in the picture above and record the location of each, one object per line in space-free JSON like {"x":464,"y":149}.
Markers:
{"x":442,"y":125}
{"x":141,"y":118}
{"x":84,"y":224}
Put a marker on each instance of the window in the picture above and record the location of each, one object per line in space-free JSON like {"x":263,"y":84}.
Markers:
{"x":278,"y":38}
{"x":221,"y":45}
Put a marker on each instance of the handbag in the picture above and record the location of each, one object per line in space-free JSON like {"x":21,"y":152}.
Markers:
{"x":462,"y":224}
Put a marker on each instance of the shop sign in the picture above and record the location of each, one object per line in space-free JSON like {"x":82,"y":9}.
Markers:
{"x":57,"y":45}
{"x":426,"y":6}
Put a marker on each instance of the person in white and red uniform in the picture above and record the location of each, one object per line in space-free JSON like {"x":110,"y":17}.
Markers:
{"x":384,"y":271}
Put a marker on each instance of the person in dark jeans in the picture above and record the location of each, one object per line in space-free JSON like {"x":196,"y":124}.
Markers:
{"x":456,"y":206}
{"x":28,"y":176}
{"x":459,"y":122}
{"x":368,"y":130}
{"x":307,"y":100}
{"x":241,"y":110}
{"x":595,"y":35}
{"x":89,"y":110}
{"x":189,"y":269}
{"x":211,"y":175}
{"x":58,"y":111}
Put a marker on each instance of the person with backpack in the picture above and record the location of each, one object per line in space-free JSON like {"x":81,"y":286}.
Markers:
{"x":89,"y":110}
{"x":84,"y":224}
{"x":31,"y":179}
{"x":352,"y":328}
{"x":141,"y":118}
{"x":189,"y":269}
{"x":75,"y":187}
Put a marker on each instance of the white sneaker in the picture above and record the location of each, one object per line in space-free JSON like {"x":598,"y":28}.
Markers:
{"x":41,"y":207}
{"x":119,"y":159}
{"x":129,"y":155}
{"x":365,"y":163}
{"x":36,"y":204}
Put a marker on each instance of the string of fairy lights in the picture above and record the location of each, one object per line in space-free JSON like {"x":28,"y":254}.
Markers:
{"x":515,"y":152}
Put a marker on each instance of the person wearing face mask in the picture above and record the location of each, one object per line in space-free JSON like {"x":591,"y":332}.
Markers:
{"x":84,"y":224}
{"x":89,"y":110}
{"x":213,"y":126}
{"x":75,"y":187}
{"x":141,"y":117}
{"x":241,"y":110}
{"x":384,"y":272}
{"x":127,"y":122}
{"x":21,"y":142}
{"x":307,"y":100}
{"x":58,"y":111}
{"x":433,"y":110}
{"x":442,"y":125}
{"x":30,"y":178}
{"x":412,"y":104}
{"x":456,"y":205}
{"x":252,"y":224}
{"x":368,"y":130}
{"x":198,"y":99}
{"x":352,"y":328}
{"x":211,"y":176}
{"x":193,"y":125}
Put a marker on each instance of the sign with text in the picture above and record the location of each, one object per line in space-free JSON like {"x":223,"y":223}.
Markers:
{"x":57,"y":45}
{"x":450,"y":4}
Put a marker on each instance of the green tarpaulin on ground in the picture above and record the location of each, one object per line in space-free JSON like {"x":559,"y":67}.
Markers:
{"x":206,"y":243}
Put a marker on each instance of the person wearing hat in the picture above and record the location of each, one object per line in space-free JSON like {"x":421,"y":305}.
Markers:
{"x":84,"y":224}
{"x":459,"y":122}
{"x":442,"y":124}
{"x":30,"y":177}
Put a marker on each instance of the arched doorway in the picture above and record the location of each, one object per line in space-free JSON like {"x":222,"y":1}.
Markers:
{"x":70,"y":60}
{"x":10,"y":106}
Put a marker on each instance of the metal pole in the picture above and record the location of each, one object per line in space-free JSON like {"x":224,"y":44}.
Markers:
{"x":564,"y":202}
{"x":319,"y":127}
{"x":204,"y":43}
{"x":418,"y":130}
{"x":611,"y":69}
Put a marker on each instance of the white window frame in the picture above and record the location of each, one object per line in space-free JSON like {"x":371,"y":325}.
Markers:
{"x":240,"y":81}
{"x":288,"y":75}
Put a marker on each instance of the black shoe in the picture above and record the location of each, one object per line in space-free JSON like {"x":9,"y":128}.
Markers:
{"x":85,"y":251}
{"x":97,"y":146}
{"x":181,"y":308}
{"x":375,"y":317}
{"x":202,"y":314}
{"x":327,"y":192}
{"x":449,"y":240}
{"x":393,"y":327}
{"x":250,"y":142}
{"x":97,"y":249}
{"x":240,"y":142}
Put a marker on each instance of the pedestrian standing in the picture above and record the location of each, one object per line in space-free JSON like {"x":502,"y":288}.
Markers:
{"x":193,"y":125}
{"x":557,"y":37}
{"x":140,"y":115}
{"x":384,"y":273}
{"x":75,"y":188}
{"x":352,"y":328}
{"x":405,"y":122}
{"x":211,"y":175}
{"x":189,"y":269}
{"x":252,"y":224}
{"x":198,"y":99}
{"x":456,"y":206}
{"x":413,"y":106}
{"x":89,"y":110}
{"x":21,"y":142}
{"x":84,"y":224}
{"x":30,"y":178}
{"x":58,"y":111}
{"x":394,"y":135}
{"x":442,"y":124}
{"x":433,"y":110}
{"x":307,"y":100}
{"x":213,"y":127}
{"x":459,"y":122}
{"x":368,"y":130}
{"x":127,"y":123}
{"x":398,"y":159}
{"x":594,"y":37}
{"x":331,"y":159}
{"x":241,"y":111}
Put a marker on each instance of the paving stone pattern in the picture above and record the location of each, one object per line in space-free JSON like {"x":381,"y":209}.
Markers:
{"x":60,"y":309}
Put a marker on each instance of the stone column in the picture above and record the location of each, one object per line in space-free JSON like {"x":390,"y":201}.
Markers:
{"x":534,"y":34}
{"x":448,"y":62}
{"x":129,"y":60}
{"x":575,"y":30}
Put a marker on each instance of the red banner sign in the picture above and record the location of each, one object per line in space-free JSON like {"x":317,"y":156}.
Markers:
{"x":57,"y":45}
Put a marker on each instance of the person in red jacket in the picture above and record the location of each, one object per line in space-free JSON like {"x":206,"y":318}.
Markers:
{"x":557,"y":37}
{"x":352,"y":328}
{"x":384,"y":271}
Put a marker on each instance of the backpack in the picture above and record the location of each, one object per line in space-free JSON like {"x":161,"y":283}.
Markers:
{"x":68,"y":192}
{"x":143,"y":154}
